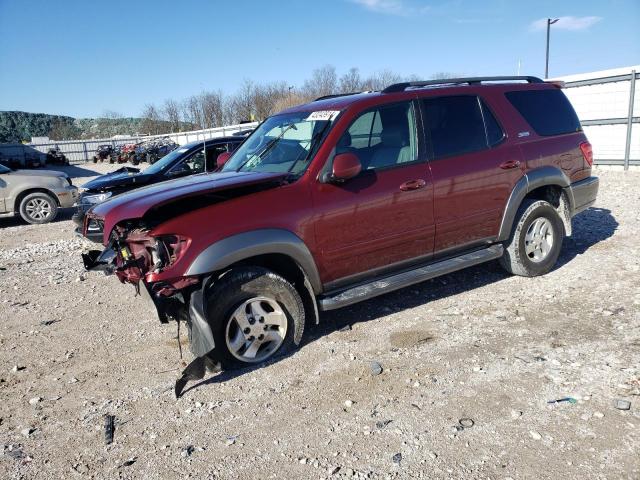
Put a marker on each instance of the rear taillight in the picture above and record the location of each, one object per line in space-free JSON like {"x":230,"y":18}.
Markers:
{"x":587,"y":152}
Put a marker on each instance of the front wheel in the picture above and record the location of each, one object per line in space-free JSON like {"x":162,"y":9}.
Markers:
{"x":536,"y":240}
{"x":38,"y":208}
{"x":254,"y":315}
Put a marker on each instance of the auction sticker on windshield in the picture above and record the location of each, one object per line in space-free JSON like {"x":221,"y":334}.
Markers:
{"x":323,"y":115}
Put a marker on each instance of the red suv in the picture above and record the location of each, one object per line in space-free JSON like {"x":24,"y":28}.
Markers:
{"x":348,"y":197}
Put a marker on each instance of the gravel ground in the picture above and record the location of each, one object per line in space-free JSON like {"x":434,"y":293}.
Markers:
{"x":476,"y":348}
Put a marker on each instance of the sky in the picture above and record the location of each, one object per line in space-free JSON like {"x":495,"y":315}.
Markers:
{"x":82,"y":58}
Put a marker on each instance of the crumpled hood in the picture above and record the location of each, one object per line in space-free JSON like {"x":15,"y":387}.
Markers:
{"x":137,"y":203}
{"x":118,"y":178}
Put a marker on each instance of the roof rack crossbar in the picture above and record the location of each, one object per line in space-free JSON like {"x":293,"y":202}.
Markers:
{"x":401,"y":87}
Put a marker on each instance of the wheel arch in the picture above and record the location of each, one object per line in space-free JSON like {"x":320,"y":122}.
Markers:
{"x":29,"y":191}
{"x":544,"y":183}
{"x":279,"y":250}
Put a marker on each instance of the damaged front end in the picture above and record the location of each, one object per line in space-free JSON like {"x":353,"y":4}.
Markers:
{"x":137,"y":257}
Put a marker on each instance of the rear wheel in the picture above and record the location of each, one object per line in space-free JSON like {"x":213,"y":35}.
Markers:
{"x":254,"y":315}
{"x":536,"y":240}
{"x":38,"y":208}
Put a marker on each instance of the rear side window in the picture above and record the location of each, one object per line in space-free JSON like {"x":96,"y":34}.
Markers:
{"x":460,"y":124}
{"x":547,"y":111}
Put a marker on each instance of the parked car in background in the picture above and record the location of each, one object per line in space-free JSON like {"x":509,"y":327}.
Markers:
{"x":35,"y":195}
{"x":349,"y":197}
{"x":190,"y":159}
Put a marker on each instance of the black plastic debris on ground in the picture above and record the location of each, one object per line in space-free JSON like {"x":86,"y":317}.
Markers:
{"x":109,"y":427}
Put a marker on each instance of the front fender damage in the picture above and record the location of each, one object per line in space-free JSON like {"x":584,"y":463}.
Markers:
{"x":179,"y":301}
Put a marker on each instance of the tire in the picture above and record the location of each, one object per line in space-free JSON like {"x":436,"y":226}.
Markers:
{"x":253,"y":289}
{"x":536,"y":240}
{"x":38,"y":208}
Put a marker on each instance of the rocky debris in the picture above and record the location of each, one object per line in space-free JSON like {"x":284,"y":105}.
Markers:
{"x":17,"y":368}
{"x":348,"y":403}
{"x":535,"y":435}
{"x":187,"y":451}
{"x":621,"y":404}
{"x":128,"y":463}
{"x":27,"y":432}
{"x":376,"y":368}
{"x":397,"y":458}
{"x":35,"y":400}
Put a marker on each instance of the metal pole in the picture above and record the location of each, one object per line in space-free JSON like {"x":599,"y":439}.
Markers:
{"x":546,"y":67}
{"x":632,"y":92}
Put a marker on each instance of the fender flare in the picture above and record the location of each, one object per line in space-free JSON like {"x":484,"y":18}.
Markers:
{"x":531,"y":180}
{"x":241,"y":246}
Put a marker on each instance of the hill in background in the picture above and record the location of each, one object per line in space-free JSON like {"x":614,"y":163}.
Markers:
{"x":16,"y":127}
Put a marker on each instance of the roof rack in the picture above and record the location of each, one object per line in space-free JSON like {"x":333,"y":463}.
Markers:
{"x":326,"y":97}
{"x":401,"y":87}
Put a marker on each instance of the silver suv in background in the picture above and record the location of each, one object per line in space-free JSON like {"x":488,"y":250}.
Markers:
{"x":35,"y":195}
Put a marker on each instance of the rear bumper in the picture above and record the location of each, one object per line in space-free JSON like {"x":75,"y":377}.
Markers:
{"x":584,"y":194}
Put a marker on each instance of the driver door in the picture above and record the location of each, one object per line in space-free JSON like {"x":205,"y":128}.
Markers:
{"x":382,"y":218}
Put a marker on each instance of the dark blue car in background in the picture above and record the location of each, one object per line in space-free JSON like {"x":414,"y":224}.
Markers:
{"x":189,"y":159}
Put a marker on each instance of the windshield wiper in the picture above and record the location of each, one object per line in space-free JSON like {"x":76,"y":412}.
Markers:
{"x":268,"y":146}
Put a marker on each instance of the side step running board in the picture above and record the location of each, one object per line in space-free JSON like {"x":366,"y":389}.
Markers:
{"x":400,"y":280}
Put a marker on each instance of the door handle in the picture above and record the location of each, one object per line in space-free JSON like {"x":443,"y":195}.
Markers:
{"x":412,"y":185}
{"x":510,"y":164}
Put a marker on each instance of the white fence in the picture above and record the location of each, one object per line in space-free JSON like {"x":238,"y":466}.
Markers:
{"x":80,"y":151}
{"x":609,"y":109}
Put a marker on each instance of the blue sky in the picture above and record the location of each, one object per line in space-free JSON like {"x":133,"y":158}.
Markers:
{"x":80,"y":57}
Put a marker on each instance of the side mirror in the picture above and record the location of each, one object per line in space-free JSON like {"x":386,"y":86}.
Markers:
{"x":222,"y":159}
{"x":345,"y":166}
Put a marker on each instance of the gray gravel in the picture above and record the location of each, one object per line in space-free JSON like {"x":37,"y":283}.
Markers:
{"x":477,"y":345}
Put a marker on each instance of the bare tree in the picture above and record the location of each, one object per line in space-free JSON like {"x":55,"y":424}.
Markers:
{"x":171,"y":113}
{"x":192,"y":112}
{"x":267,"y":97}
{"x":443,"y":75}
{"x":323,"y":81}
{"x":151,"y":122}
{"x":382,"y":79}
{"x":242,"y":105}
{"x":351,"y":81}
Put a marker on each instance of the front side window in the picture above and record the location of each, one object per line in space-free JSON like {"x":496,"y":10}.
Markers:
{"x":383,"y":137}
{"x":283,"y":143}
{"x":193,"y":164}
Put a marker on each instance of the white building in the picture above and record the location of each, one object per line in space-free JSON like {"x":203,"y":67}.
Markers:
{"x":601,"y":100}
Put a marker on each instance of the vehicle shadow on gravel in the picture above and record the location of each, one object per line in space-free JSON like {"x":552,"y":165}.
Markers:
{"x":75,"y":171}
{"x":63,"y":215}
{"x":589,"y":228}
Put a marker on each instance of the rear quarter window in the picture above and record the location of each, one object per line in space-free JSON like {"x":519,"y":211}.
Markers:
{"x":547,"y":111}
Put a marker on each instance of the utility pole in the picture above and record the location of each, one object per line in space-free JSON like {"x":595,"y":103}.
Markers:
{"x":549,"y":23}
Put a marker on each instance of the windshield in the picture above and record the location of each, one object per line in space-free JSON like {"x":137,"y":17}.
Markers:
{"x":282,"y":143}
{"x":4,"y":169}
{"x":165,"y":161}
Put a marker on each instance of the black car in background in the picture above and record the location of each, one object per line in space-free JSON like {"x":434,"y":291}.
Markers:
{"x":189,"y":159}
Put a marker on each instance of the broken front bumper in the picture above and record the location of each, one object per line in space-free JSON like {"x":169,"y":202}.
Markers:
{"x":186,"y":305}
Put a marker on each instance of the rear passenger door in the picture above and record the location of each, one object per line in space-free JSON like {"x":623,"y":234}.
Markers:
{"x":473,"y":169}
{"x":384,"y":215}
